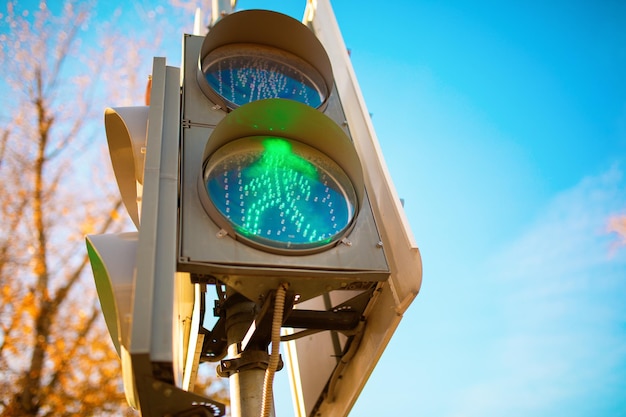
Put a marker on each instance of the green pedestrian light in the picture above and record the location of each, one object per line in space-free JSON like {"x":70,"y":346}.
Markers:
{"x":266,"y":181}
{"x":280,"y":194}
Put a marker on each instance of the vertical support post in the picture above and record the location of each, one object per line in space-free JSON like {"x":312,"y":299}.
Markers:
{"x":246,"y":382}
{"x":220,"y":8}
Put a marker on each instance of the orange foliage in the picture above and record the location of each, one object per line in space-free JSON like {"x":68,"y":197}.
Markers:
{"x":56,"y":357}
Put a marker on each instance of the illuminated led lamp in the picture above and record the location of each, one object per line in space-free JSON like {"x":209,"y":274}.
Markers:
{"x":258,"y":54}
{"x":281,"y":177}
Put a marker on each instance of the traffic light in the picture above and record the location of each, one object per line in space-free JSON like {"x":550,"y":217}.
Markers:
{"x":282,"y":180}
{"x":150,"y":309}
{"x":255,"y":170}
{"x":272,"y":188}
{"x":113,"y":256}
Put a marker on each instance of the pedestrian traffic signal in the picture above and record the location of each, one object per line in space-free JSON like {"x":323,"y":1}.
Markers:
{"x":272,"y":187}
{"x":254,"y":169}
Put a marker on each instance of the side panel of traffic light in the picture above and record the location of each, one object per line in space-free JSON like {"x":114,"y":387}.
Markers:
{"x":149,"y":307}
{"x":347,"y":377}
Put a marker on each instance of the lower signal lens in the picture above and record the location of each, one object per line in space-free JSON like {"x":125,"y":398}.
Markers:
{"x":279,"y":194}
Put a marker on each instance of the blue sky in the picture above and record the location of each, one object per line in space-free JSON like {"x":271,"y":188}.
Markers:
{"x":503,"y":125}
{"x":504,"y":128}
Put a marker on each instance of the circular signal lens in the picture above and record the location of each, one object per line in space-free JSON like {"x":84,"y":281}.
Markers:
{"x":279,"y":194}
{"x":242,"y":73}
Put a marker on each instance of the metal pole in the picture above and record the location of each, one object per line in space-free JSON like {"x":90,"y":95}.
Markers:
{"x":246,"y":380}
{"x":246,"y":384}
{"x":246,"y":392}
{"x":220,"y":8}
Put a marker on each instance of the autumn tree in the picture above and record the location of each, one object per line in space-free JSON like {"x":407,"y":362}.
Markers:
{"x":56,"y":357}
{"x":55,"y":354}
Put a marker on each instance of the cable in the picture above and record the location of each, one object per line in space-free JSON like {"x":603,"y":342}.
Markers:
{"x":277,"y":322}
{"x":345,"y":359}
{"x":294,"y":336}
